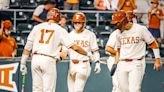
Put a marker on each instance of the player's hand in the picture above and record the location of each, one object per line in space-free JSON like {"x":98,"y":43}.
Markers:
{"x":23,"y":69}
{"x":157,"y":64}
{"x":113,"y":69}
{"x":58,"y":58}
{"x":91,"y":56}
{"x":97,"y":67}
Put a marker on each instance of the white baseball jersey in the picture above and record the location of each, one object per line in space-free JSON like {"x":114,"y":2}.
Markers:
{"x":46,"y":38}
{"x":132,"y":42}
{"x":112,"y":43}
{"x":86,"y":40}
{"x":112,"y":39}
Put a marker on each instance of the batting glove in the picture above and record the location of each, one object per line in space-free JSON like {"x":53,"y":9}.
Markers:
{"x":113,"y":69}
{"x":97,"y":67}
{"x":23,"y":69}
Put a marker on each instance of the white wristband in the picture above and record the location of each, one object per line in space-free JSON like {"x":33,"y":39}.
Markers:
{"x":156,"y":53}
{"x":24,"y":59}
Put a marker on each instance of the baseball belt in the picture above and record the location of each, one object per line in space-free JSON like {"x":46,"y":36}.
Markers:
{"x":77,"y":61}
{"x":35,"y":53}
{"x":130,"y":60}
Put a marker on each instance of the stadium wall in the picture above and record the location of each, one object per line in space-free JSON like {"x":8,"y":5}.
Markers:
{"x":153,"y":81}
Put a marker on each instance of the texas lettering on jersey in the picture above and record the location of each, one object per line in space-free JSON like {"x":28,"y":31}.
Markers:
{"x":6,"y":76}
{"x":82,"y":43}
{"x":129,"y":40}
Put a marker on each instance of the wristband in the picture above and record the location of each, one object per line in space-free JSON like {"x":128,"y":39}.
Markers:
{"x":156,"y":53}
{"x":24,"y":59}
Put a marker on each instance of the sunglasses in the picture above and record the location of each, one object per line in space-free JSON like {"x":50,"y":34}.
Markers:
{"x":153,"y":3}
{"x":78,"y":22}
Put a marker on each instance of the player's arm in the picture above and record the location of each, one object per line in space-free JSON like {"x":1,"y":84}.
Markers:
{"x":68,"y":43}
{"x":78,"y":49}
{"x":94,"y":48}
{"x":111,"y":44}
{"x":117,"y":56}
{"x":116,"y":60}
{"x":63,"y":52}
{"x":110,"y":50}
{"x":26,"y":51}
{"x":96,"y":55}
{"x":25,"y":56}
{"x":156,"y":51}
{"x":28,"y":46}
{"x":150,"y":40}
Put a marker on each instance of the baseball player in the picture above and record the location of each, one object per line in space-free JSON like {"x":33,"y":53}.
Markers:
{"x":111,"y":50}
{"x":79,"y":67}
{"x":131,"y":46}
{"x":44,"y":41}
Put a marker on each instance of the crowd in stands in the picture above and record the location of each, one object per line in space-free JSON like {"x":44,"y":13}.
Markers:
{"x":133,"y":8}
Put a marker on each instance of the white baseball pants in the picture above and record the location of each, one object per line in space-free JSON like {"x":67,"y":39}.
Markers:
{"x":130,"y":75}
{"x":115,"y":88}
{"x":77,"y":76}
{"x":43,"y":73}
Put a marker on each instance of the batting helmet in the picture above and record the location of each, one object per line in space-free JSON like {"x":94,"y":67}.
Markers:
{"x":54,"y":14}
{"x":118,"y":16}
{"x":130,"y":15}
{"x":7,"y":24}
{"x":155,"y":1}
{"x":79,"y":17}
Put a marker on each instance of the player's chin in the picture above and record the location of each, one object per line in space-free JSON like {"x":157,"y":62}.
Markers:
{"x":79,"y":28}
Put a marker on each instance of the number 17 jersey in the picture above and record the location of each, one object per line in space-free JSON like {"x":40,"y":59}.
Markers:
{"x":46,"y":38}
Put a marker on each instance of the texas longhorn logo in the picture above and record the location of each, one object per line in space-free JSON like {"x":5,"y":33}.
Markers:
{"x":6,"y":75}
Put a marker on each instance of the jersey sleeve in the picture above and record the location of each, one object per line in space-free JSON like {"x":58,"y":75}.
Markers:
{"x":147,"y":36}
{"x":38,"y":11}
{"x":31,"y":36}
{"x":65,"y":39}
{"x":118,"y":40}
{"x":93,"y":42}
{"x":112,"y":40}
